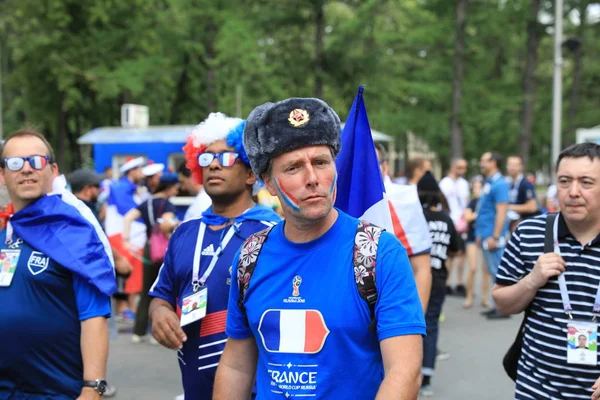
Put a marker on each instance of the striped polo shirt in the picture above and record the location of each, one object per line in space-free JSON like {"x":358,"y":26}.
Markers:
{"x":543,"y":370}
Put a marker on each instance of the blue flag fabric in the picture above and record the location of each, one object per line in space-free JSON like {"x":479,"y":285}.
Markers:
{"x":360,"y":190}
{"x":61,"y":229}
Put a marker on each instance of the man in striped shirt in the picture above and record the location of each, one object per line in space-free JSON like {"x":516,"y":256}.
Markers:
{"x":560,"y":288}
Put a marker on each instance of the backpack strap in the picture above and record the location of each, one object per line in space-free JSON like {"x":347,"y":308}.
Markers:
{"x":364,"y":259}
{"x":247,"y":261}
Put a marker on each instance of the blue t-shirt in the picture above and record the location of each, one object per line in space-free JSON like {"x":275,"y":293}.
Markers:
{"x":495,"y":190}
{"x":316,"y":342}
{"x":200,"y":355}
{"x":40,"y":327}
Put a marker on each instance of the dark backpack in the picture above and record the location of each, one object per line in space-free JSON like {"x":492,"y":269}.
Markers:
{"x":364,"y":257}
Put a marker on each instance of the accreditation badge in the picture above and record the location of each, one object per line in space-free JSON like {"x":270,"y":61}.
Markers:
{"x":582,"y":343}
{"x":9,"y":258}
{"x":193,"y":307}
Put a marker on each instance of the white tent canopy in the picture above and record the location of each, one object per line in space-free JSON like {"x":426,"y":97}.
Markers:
{"x":589,"y":135}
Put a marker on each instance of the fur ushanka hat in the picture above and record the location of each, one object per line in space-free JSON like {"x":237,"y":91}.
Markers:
{"x":276,"y":128}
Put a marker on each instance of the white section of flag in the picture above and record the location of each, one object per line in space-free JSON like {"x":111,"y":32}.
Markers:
{"x":114,"y":224}
{"x":379,"y":214}
{"x":292,"y":331}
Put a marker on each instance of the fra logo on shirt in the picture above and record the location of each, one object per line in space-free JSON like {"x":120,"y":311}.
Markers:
{"x":38,"y":262}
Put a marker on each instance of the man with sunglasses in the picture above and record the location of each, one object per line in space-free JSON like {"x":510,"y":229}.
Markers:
{"x":196,"y":273}
{"x":56,"y":278}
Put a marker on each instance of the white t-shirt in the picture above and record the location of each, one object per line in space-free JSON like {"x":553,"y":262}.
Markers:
{"x":200,"y":204}
{"x":457,"y":193}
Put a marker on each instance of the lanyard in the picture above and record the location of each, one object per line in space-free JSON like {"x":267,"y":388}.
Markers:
{"x":198,"y":283}
{"x":562,"y":283}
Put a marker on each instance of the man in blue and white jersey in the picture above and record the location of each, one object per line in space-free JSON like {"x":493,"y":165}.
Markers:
{"x":196,"y":273}
{"x":56,"y":278}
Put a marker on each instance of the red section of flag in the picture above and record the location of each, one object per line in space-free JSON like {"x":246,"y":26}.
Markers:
{"x":315,"y":332}
{"x":398,"y":230}
{"x":213,"y":323}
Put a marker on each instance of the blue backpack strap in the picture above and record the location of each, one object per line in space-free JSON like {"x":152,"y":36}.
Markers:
{"x":364,"y":260}
{"x":247,"y":262}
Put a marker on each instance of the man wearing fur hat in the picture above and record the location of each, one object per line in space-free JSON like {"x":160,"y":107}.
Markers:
{"x":196,"y":272}
{"x":296,"y":319}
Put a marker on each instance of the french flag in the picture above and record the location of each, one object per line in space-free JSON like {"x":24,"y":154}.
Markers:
{"x":360,"y":190}
{"x":293,"y":331}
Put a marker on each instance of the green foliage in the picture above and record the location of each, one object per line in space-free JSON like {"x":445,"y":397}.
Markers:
{"x":68,"y":65}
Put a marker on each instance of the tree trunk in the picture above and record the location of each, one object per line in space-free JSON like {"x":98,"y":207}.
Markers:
{"x":180,"y":95}
{"x":577,"y":75}
{"x":529,"y":84}
{"x":61,"y":131}
{"x":456,"y":142}
{"x":319,"y":37}
{"x":211,"y":73}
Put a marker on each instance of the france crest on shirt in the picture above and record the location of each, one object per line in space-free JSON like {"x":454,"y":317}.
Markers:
{"x":293,"y":331}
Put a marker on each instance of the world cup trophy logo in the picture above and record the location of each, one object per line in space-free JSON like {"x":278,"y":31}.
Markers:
{"x":296,"y":286}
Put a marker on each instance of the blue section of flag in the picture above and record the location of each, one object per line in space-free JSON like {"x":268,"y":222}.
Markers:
{"x":359,"y":179}
{"x":121,"y":195}
{"x":58,"y":230}
{"x":270,"y":329}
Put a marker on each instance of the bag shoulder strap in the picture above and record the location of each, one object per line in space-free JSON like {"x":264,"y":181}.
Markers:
{"x":364,"y":259}
{"x":548,"y":234}
{"x":548,"y":248}
{"x":151,"y":211}
{"x":247,"y":261}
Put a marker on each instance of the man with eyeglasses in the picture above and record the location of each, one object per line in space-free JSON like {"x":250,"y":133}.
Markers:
{"x":196,"y":273}
{"x":56,"y":278}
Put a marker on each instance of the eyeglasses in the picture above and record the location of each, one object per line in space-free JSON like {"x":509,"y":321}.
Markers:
{"x":36,"y":162}
{"x":226,"y":159}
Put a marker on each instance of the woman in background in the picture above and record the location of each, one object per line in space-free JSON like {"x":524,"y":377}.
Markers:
{"x":472,"y":251}
{"x":157,"y":210}
{"x":444,"y":240}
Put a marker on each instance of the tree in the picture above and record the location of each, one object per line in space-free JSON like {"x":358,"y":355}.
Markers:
{"x":457,"y":80}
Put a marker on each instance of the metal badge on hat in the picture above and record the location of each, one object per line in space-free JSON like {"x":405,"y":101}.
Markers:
{"x":298,"y":117}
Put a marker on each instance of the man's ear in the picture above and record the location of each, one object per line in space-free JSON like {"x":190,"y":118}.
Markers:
{"x":251,"y":178}
{"x":55,"y":171}
{"x":2,"y":179}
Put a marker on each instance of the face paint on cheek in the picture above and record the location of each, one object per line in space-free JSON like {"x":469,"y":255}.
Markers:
{"x":287,"y":197}
{"x":333,"y":189}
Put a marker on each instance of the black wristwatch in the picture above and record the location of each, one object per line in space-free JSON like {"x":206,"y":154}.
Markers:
{"x":99,"y":385}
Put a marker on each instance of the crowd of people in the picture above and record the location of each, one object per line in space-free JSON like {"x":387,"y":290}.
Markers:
{"x":242,"y":291}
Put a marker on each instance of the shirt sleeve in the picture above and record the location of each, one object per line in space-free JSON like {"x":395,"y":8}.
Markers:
{"x":446,"y":186}
{"x":90,"y":301}
{"x":396,"y":315}
{"x":529,"y":191}
{"x":511,"y":268}
{"x":501,"y":190}
{"x":472,"y":205}
{"x":237,"y":323}
{"x":165,"y":285}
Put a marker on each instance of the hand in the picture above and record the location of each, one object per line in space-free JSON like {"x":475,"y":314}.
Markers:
{"x":122,"y":265}
{"x":166,"y":329}
{"x":546,"y":266}
{"x":596,"y":387}
{"x":492,"y":243}
{"x":89,"y":394}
